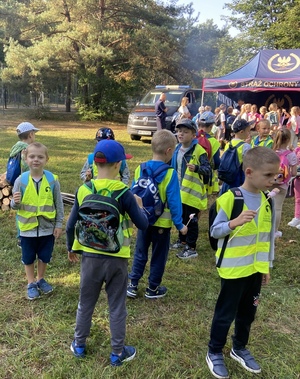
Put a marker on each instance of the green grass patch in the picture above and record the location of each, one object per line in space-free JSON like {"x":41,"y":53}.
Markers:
{"x":170,"y":334}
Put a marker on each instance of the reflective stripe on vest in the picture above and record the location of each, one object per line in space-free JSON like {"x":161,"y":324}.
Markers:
{"x":36,"y":204}
{"x":192,"y":189}
{"x":248,"y":252}
{"x":126,"y":223}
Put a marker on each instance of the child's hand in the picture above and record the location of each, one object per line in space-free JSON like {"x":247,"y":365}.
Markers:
{"x":184,"y":230}
{"x":138,"y":200}
{"x":265,"y":279}
{"x":88,"y":175}
{"x":73,"y":257}
{"x":191,"y":167}
{"x":17,"y":197}
{"x":243,"y":218}
{"x":57,"y":232}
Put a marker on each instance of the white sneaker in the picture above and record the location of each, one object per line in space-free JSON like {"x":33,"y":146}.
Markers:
{"x":298,"y":226}
{"x":278,"y":234}
{"x":295,"y":221}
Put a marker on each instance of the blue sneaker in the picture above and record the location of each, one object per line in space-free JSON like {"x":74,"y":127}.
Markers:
{"x":216,"y":365}
{"x":132,"y":291}
{"x":160,"y":291}
{"x":128,"y":354}
{"x":244,"y":357}
{"x":44,"y":287}
{"x":32,"y":291}
{"x":77,"y":350}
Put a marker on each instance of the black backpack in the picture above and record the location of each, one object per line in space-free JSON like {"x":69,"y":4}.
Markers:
{"x":229,"y":164}
{"x":98,"y":225}
{"x":236,"y":211}
{"x":146,"y":187}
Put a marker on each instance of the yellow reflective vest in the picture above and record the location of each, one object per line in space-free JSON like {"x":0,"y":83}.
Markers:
{"x":235,"y":142}
{"x":213,"y":187}
{"x":192,"y":190}
{"x":111,"y":185}
{"x":35,"y":203}
{"x":248,"y":251}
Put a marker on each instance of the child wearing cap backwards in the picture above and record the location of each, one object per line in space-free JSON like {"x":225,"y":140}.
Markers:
{"x":89,"y":169}
{"x":191,"y":163}
{"x":163,"y":145}
{"x":246,"y":262}
{"x":99,"y":267}
{"x":241,"y":130}
{"x":37,"y":198}
{"x":26,"y":133}
{"x":205,"y":124}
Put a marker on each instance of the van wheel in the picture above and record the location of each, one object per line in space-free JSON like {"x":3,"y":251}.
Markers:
{"x":135,"y":138}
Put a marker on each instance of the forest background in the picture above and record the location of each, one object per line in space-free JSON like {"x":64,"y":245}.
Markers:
{"x":100,"y":56}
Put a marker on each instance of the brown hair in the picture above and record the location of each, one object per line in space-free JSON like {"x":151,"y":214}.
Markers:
{"x":281,"y":137}
{"x":37,"y":145}
{"x":162,"y":140}
{"x":255,"y":158}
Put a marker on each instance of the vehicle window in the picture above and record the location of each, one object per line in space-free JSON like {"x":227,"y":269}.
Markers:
{"x":172,"y":98}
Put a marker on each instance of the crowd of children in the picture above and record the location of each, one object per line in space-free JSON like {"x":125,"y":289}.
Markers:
{"x":194,"y":157}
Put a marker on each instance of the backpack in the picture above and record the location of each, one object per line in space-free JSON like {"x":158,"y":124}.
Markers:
{"x":204,"y":142}
{"x":98,"y":225}
{"x":147,"y":188}
{"x":13,"y":168}
{"x":284,"y":174}
{"x":229,"y":164}
{"x":272,"y":117}
{"x":218,"y":119}
{"x":236,"y":211}
{"x":229,"y":121}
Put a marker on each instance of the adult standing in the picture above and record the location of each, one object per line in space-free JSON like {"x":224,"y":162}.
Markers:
{"x":160,"y":111}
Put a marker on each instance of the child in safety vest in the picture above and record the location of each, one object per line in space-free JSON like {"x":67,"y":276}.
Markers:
{"x":206,"y":123}
{"x":99,"y":267}
{"x":247,"y":257}
{"x":263,"y":138}
{"x":192,"y":165}
{"x":163,"y":145}
{"x":37,"y":198}
{"x":89,"y":169}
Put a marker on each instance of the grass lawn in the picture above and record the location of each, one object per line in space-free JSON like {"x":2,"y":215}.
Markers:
{"x":171,"y":333}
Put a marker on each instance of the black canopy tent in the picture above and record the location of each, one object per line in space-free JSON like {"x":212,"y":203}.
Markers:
{"x":271,"y":76}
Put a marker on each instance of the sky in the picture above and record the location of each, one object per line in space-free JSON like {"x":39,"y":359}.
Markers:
{"x":211,"y":9}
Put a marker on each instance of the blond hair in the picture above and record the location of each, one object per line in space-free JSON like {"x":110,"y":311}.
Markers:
{"x":259,"y":156}
{"x":162,"y":140}
{"x":36,"y":145}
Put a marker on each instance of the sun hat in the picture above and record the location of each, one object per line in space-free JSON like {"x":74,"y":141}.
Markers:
{"x":207,"y":117}
{"x":26,"y":127}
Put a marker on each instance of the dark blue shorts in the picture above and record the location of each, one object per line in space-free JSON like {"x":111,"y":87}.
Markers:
{"x":41,"y":247}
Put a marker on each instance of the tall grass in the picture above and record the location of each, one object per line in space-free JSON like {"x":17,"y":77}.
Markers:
{"x":171,"y":333}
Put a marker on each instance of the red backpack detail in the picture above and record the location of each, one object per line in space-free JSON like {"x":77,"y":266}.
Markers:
{"x":204,"y":142}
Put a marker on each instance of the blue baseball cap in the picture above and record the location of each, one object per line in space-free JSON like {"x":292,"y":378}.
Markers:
{"x":207,"y":117}
{"x":112,"y":150}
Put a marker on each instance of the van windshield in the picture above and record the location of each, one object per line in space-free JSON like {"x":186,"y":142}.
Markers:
{"x":173,"y":98}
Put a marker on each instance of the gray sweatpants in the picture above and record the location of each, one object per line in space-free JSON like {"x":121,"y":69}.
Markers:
{"x":94,"y":272}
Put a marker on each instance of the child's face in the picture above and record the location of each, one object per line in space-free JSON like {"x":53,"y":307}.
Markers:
{"x":264,"y":130}
{"x":185,"y":136}
{"x":263,"y":178}
{"x":36,"y":158}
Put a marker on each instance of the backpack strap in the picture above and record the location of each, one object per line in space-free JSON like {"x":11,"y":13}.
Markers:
{"x":236,"y":211}
{"x":25,"y":179}
{"x":158,"y":171}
